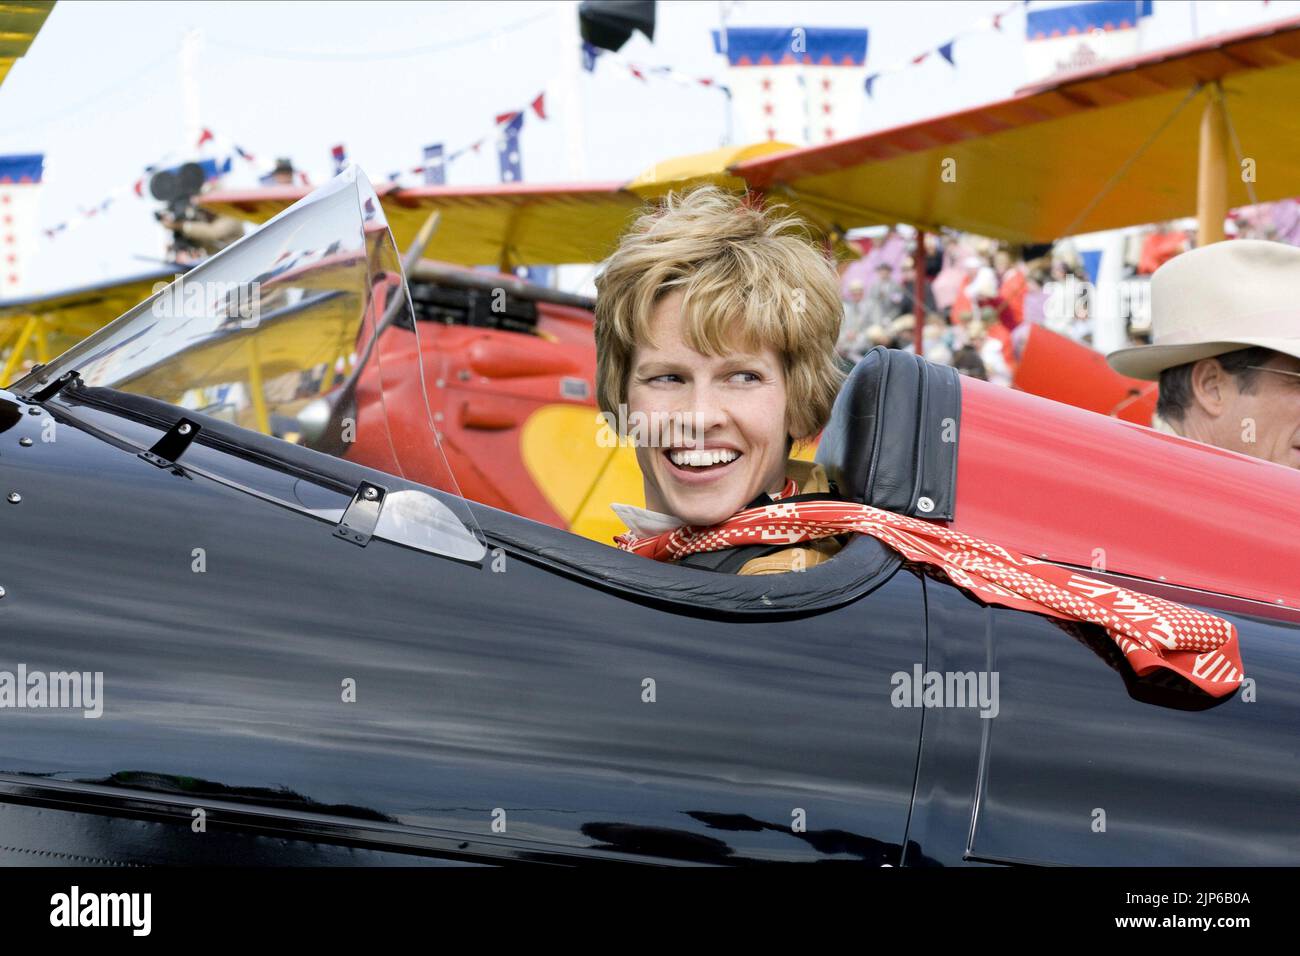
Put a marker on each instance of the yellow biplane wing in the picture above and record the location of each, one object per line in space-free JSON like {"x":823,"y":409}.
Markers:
{"x":316,"y":332}
{"x":309,"y":320}
{"x":37,"y":328}
{"x":1105,"y":148}
{"x":507,"y":225}
{"x":520,"y":223}
{"x":19,"y":24}
{"x":715,"y":168}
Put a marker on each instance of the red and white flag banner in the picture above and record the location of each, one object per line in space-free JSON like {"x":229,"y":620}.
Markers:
{"x":1152,"y":633}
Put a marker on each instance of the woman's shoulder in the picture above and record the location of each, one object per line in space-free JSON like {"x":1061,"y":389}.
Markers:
{"x":799,"y":557}
{"x":809,"y":476}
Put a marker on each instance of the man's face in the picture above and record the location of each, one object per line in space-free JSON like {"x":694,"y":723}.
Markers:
{"x":734,"y":405}
{"x":1265,"y":422}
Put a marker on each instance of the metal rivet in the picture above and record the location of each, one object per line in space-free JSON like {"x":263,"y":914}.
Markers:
{"x":34,"y":410}
{"x":25,"y":442}
{"x":924,"y":504}
{"x":370,"y":494}
{"x":439,"y":383}
{"x":183,"y":430}
{"x":14,"y":497}
{"x":2,"y":592}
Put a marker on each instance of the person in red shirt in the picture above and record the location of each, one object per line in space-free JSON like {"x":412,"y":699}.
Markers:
{"x":1159,"y":247}
{"x":1011,"y":274}
{"x":981,"y":294}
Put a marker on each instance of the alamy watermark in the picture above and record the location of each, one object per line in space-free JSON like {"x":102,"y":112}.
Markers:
{"x":946,"y":689}
{"x":128,"y":910}
{"x":1071,"y":298}
{"x":649,"y":429}
{"x":70,"y":690}
{"x":239,"y":302}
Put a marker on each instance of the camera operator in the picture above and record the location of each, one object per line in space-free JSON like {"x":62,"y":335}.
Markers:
{"x":198,"y":233}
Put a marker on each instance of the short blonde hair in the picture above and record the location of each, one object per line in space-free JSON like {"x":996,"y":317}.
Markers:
{"x":750,"y":277}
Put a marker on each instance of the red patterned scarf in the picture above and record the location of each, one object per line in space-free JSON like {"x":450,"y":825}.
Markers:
{"x":1151,"y":632}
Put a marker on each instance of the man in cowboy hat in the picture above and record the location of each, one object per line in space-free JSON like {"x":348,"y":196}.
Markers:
{"x":1225,"y":323}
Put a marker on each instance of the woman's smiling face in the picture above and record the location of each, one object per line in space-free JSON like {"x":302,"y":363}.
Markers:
{"x":731,"y":442}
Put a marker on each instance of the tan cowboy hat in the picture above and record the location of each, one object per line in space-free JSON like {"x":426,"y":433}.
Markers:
{"x":1219,"y":298}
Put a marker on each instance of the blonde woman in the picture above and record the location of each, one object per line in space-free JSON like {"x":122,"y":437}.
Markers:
{"x":721,"y":319}
{"x":717,"y":321}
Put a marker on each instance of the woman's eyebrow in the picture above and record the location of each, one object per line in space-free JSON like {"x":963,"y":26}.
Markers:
{"x":745,"y":358}
{"x":656,"y":365}
{"x":727,"y":362}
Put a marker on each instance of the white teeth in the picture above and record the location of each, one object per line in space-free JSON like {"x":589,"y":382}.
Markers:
{"x":700,"y":459}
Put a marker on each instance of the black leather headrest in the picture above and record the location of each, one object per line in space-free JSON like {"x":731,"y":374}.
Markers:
{"x":892,"y":438}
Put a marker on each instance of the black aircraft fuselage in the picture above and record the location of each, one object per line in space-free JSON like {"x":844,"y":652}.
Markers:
{"x":273,"y":694}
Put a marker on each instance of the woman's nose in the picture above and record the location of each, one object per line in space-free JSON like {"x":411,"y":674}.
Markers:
{"x":708,"y":410}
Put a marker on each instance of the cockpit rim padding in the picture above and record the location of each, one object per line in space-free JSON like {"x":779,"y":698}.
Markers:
{"x":863,"y":565}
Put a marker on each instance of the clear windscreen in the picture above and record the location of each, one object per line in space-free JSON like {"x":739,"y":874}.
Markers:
{"x":303,"y":331}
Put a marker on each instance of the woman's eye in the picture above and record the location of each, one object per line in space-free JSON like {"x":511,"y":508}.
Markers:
{"x":667,"y":378}
{"x":747,"y":377}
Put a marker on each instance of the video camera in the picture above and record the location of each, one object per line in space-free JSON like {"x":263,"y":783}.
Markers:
{"x":177,"y":188}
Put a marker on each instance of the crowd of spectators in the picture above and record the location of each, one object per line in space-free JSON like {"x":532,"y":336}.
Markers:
{"x":981,"y":296}
{"x":977,"y":294}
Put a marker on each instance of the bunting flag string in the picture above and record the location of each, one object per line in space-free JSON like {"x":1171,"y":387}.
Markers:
{"x":945,"y":50}
{"x":590,"y":54}
{"x":213,"y":167}
{"x":432,"y":170}
{"x":537,"y":106}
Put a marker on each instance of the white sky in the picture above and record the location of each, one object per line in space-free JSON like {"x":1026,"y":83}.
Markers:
{"x":100,"y":91}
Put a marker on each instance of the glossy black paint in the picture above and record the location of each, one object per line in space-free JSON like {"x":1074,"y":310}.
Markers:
{"x":517,"y":686}
{"x":1182,"y":779}
{"x":477,"y":689}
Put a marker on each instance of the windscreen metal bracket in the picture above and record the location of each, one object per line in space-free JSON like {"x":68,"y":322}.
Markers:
{"x":167,"y":451}
{"x":56,"y":386}
{"x":362,"y":515}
